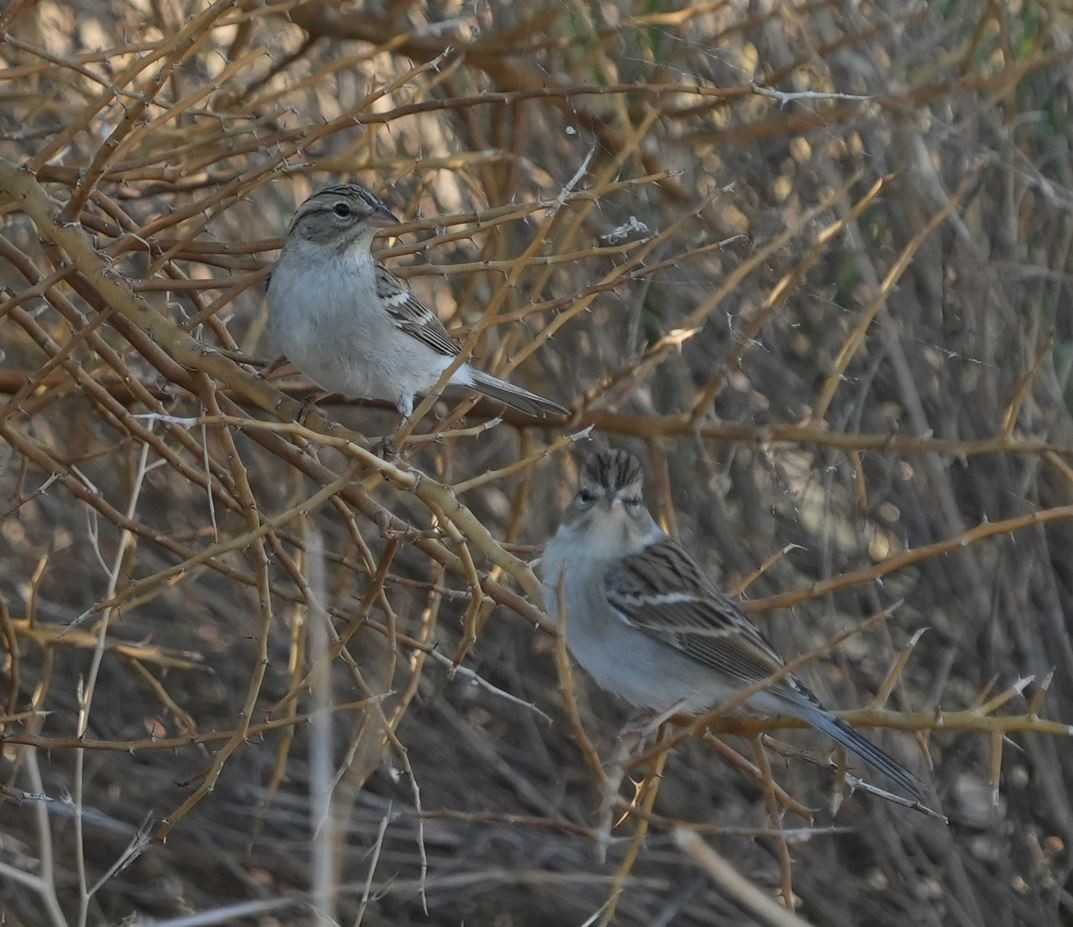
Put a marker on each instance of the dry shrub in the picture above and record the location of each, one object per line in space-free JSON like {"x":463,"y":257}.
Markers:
{"x":808,"y":261}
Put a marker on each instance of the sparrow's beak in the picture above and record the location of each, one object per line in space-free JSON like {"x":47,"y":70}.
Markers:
{"x":612,"y":501}
{"x":383,"y":218}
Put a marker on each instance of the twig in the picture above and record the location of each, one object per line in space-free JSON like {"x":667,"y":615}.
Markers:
{"x":781,"y":847}
{"x":384,"y":821}
{"x":785,"y":97}
{"x":734,"y":884}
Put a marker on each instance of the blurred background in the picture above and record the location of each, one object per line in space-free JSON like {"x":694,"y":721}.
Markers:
{"x":810,"y":261}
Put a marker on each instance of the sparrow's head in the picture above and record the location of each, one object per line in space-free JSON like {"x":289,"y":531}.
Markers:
{"x":609,"y":500}
{"x":340,"y":215}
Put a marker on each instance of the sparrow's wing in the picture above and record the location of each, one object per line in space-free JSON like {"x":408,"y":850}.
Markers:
{"x":663,"y":592}
{"x":410,"y":314}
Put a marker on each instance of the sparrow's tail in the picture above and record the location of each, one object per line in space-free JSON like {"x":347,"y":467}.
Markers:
{"x":845,"y":735}
{"x":514,"y":396}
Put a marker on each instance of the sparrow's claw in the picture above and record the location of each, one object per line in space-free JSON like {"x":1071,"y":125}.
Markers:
{"x":267,"y":372}
{"x":385,"y":447}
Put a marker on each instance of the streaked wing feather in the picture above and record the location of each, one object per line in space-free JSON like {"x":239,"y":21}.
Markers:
{"x":663,"y":592}
{"x":410,"y":314}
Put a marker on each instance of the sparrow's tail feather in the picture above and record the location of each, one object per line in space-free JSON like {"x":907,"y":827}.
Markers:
{"x":845,"y":735}
{"x":514,"y":396}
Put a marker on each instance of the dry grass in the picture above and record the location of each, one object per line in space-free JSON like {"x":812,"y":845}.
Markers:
{"x":810,"y":262}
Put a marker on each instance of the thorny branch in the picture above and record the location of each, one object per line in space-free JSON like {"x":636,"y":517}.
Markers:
{"x":810,"y":263}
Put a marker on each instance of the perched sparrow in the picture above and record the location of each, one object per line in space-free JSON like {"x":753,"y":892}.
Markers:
{"x":649,"y":626}
{"x":352,"y":326}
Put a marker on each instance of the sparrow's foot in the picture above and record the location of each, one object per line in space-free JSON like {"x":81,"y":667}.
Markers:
{"x":265,"y":373}
{"x":388,"y":446}
{"x":307,"y":405}
{"x":385,"y":447}
{"x":636,"y":733}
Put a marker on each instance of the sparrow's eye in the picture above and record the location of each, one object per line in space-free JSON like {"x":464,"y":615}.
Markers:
{"x":631,"y":502}
{"x":342,"y":210}
{"x":586,"y":496}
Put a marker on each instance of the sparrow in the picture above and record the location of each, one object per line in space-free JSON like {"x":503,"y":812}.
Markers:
{"x":351,"y":325}
{"x":646,"y":623}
